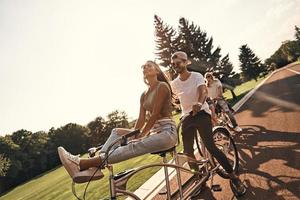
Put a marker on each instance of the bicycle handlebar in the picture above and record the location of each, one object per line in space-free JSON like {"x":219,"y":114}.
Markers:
{"x":122,"y":140}
{"x":92,"y":151}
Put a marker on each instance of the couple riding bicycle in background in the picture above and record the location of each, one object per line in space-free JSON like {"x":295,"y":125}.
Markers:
{"x":157,"y":128}
{"x":215,"y":99}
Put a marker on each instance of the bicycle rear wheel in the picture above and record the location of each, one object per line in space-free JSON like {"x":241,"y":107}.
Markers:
{"x":226,"y":144}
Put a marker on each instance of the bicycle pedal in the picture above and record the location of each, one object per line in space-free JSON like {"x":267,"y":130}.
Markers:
{"x":216,"y":188}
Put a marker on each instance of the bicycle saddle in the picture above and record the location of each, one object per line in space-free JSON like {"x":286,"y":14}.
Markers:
{"x":163,"y":153}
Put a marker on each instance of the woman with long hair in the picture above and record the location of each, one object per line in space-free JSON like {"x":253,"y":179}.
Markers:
{"x":157,"y":129}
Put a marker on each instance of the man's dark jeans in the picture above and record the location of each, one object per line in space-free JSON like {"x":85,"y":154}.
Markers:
{"x":202,"y":122}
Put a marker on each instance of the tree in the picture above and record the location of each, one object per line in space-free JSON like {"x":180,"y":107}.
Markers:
{"x":224,"y":71}
{"x":21,"y":136}
{"x":166,"y":43}
{"x":96,"y":131}
{"x":288,"y":52}
{"x":297,"y":33}
{"x":116,"y":119}
{"x":198,"y":47}
{"x":27,"y":154}
{"x":250,"y":64}
{"x":72,"y":136}
{"x":37,"y":153}
{"x":11,"y":151}
{"x":190,"y":39}
{"x":4,"y":165}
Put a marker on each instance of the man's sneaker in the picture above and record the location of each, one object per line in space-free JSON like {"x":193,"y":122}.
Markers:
{"x":237,"y":129}
{"x":71,"y":164}
{"x":238,"y":188}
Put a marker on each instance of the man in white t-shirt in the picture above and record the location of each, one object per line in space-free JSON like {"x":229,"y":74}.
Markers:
{"x":215,"y":92}
{"x":191,"y":90}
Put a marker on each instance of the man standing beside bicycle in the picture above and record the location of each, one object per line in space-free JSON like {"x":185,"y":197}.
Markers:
{"x":192,"y":92}
{"x":215,"y":94}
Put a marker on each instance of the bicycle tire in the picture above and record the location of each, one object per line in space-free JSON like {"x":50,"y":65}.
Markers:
{"x":229,"y":150}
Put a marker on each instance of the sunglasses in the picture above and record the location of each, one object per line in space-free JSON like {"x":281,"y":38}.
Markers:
{"x":176,"y":63}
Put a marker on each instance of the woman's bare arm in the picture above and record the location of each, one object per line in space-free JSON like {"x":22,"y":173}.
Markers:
{"x":141,"y":119}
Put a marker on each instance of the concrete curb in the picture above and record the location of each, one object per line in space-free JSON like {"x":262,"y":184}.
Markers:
{"x":152,"y":186}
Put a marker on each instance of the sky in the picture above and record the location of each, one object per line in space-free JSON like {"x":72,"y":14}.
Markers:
{"x":65,"y":61}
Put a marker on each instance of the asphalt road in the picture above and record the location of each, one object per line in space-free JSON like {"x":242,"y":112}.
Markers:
{"x":269,"y":145}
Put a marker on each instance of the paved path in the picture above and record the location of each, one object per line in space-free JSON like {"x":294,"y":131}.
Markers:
{"x":269,"y":146}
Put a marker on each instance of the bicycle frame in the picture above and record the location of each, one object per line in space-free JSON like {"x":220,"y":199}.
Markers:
{"x":222,"y":117}
{"x":118,"y":183}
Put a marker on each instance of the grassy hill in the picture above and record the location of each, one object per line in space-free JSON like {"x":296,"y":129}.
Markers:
{"x":56,"y":184}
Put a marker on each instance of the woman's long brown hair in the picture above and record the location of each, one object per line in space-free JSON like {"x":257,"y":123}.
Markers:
{"x":163,"y":78}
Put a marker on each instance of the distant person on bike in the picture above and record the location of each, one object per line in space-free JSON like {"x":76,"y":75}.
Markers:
{"x":215,"y":94}
{"x":157,"y":129}
{"x":192,"y":92}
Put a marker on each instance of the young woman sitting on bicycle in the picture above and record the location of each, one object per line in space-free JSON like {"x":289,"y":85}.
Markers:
{"x":157,"y":129}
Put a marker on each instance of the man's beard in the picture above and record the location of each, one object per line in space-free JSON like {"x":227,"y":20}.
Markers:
{"x":179,"y":70}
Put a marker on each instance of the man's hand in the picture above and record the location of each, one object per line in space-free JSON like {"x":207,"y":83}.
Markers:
{"x":196,"y":108}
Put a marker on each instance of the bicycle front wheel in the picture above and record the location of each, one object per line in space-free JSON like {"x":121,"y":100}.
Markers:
{"x":226,"y":144}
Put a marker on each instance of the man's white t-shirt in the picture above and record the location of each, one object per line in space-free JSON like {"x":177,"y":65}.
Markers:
{"x":213,"y":88}
{"x":188,"y":93}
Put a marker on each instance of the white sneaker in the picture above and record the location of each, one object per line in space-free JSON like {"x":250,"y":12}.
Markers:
{"x":71,"y":164}
{"x":238,"y":129}
{"x":69,"y":161}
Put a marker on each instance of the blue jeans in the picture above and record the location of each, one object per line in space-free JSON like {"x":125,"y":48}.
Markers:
{"x":162,"y":136}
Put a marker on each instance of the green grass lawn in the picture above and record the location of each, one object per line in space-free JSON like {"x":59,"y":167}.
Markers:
{"x":241,"y":90}
{"x":56,"y":184}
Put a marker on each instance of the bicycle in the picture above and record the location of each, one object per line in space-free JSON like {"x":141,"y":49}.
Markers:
{"x":208,"y":167}
{"x":222,"y":117}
